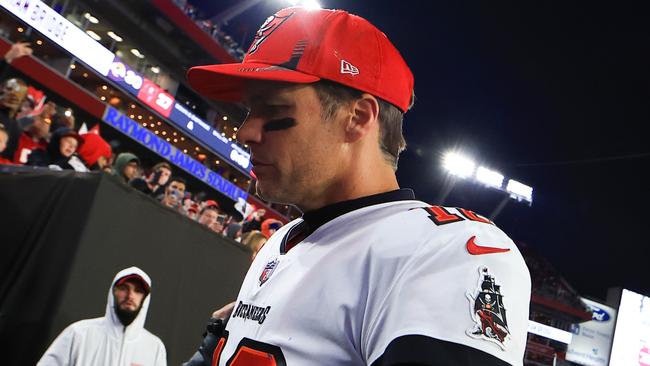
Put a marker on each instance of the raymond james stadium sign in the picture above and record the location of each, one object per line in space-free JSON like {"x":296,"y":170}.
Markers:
{"x":169,"y":152}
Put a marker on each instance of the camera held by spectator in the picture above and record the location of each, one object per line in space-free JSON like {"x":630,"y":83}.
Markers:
{"x":154,"y":184}
{"x":212,"y":218}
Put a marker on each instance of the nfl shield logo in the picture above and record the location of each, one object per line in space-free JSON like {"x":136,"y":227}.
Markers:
{"x":268,"y":270}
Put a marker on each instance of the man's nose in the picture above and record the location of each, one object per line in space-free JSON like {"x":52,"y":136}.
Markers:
{"x":250,"y":131}
{"x":131,"y":294}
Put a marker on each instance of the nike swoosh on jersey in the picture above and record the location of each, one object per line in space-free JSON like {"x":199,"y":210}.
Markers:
{"x":475,"y":249}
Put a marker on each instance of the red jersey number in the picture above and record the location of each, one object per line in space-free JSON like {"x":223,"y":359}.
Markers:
{"x":250,"y":352}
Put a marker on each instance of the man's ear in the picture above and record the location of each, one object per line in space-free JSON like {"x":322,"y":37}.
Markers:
{"x":363,"y":118}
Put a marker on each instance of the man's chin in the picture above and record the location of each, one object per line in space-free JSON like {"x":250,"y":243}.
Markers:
{"x":274,"y":195}
{"x":127,"y":314}
{"x":260,"y":191}
{"x":266,"y":193}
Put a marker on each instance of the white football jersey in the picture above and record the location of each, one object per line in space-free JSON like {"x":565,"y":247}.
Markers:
{"x":377,"y":273}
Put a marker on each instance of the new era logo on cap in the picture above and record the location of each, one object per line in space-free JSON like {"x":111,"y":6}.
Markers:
{"x":348,"y":68}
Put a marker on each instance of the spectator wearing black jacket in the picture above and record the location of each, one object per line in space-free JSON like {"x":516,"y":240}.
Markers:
{"x":254,"y":222}
{"x":154,"y":184}
{"x":60,"y":151}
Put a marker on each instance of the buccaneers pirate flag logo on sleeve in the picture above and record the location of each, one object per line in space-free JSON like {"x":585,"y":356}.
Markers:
{"x":488,"y":312}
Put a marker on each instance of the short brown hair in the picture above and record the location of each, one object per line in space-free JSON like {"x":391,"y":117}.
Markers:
{"x":391,"y":140}
{"x":162,"y":164}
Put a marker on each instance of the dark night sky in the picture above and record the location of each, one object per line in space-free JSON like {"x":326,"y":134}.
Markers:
{"x":553,"y":94}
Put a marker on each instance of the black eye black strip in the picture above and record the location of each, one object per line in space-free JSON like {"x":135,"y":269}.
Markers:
{"x":279,"y":124}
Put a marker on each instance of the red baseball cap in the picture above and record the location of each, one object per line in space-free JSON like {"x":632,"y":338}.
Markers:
{"x":134,"y":277}
{"x":211,"y":203}
{"x":299,"y":45}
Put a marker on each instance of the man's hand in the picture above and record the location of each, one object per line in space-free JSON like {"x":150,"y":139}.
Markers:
{"x":217,"y":227}
{"x":224,"y":312}
{"x":215,"y":329}
{"x":17,"y":50}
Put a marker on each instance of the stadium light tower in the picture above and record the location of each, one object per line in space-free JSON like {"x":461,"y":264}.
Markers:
{"x":227,"y":15}
{"x":460,"y":166}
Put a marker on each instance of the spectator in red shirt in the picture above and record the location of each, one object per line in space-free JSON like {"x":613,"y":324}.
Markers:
{"x":33,"y":137}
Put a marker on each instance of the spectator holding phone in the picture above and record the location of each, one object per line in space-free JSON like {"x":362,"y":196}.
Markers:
{"x":154,"y":184}
{"x":211,"y":218}
{"x":174,"y":193}
{"x":233,"y":231}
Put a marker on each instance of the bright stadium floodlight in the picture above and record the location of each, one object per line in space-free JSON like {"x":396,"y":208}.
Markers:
{"x":489,"y":177}
{"x":309,"y":4}
{"x":520,"y":190}
{"x":458,"y":165}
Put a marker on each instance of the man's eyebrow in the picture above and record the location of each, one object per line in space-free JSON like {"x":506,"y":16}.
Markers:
{"x":265,"y":100}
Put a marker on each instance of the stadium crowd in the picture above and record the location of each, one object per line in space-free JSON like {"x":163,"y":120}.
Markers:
{"x":213,"y":29}
{"x":36,"y":132}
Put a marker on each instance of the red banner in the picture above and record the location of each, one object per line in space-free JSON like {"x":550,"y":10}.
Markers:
{"x":156,"y":97}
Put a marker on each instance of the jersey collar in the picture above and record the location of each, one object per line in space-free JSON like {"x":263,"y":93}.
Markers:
{"x":319,"y":217}
{"x":314,"y":219}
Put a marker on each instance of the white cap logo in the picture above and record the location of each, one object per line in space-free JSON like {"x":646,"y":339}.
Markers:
{"x":348,"y":68}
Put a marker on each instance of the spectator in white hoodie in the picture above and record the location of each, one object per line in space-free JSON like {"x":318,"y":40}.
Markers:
{"x":117,"y":338}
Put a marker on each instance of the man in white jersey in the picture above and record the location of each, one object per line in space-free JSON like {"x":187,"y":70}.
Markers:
{"x":368,"y":275}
